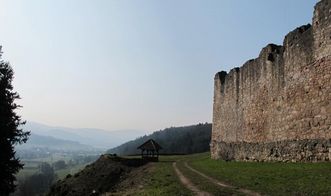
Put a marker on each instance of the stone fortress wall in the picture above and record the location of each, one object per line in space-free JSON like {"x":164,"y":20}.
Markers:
{"x":277,"y":107}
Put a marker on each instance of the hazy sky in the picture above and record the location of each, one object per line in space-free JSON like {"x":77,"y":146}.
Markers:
{"x":139,"y":64}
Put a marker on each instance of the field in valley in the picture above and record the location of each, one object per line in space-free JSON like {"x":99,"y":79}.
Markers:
{"x":32,"y":167}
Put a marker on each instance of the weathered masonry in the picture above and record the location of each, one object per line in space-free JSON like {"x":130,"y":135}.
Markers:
{"x":277,"y":107}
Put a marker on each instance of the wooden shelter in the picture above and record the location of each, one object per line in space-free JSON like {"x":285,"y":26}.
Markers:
{"x":150,"y":150}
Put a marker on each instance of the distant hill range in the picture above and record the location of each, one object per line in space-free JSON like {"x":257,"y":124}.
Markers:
{"x":38,"y":141}
{"x":174,"y":140}
{"x":96,"y":138}
{"x":39,"y":146}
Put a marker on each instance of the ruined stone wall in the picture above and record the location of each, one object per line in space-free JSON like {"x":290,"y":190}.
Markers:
{"x":278,"y":106}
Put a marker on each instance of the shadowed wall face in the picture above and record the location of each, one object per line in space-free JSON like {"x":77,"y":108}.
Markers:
{"x":277,"y":106}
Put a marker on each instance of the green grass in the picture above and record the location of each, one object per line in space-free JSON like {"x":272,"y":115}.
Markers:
{"x":202,"y":183}
{"x":163,"y":180}
{"x":268,"y":178}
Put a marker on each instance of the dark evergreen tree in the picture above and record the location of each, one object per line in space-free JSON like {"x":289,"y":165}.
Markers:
{"x":10,"y":130}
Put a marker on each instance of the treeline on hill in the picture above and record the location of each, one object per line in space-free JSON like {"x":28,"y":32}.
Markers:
{"x":174,"y":140}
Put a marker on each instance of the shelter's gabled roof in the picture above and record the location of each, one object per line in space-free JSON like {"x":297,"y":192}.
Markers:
{"x":150,"y":145}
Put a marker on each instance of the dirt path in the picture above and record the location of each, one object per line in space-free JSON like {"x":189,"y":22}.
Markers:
{"x":188,"y":183}
{"x":213,"y":180}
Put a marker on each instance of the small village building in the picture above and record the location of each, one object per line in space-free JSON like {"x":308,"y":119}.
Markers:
{"x":150,"y":150}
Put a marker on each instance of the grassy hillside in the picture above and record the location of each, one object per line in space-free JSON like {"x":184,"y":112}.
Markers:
{"x":174,"y":140}
{"x":214,"y":177}
{"x":264,"y":178}
{"x":275,"y":178}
